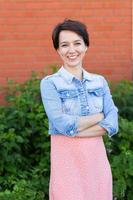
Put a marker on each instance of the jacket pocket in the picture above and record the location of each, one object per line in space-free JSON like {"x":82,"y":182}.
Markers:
{"x":69,"y":99}
{"x":96,"y":95}
{"x":68,"y":94}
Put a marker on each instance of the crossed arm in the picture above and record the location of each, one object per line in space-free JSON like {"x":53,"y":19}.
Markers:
{"x":88,"y":126}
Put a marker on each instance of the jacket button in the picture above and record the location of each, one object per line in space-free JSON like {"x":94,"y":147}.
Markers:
{"x":71,"y":132}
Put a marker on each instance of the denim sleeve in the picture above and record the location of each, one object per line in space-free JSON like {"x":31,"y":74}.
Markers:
{"x":65,"y":124}
{"x":110,"y":121}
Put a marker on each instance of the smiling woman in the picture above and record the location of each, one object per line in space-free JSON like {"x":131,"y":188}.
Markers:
{"x":80,"y":110}
{"x":71,"y":49}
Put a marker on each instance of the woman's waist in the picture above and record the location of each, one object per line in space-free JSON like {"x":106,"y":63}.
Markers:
{"x":61,"y":139}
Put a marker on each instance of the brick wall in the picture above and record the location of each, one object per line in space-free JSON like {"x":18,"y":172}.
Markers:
{"x":25,"y":36}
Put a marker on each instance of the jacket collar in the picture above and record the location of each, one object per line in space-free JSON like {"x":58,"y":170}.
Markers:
{"x":69,"y":77}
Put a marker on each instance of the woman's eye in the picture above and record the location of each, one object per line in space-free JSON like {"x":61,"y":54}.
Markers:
{"x":78,"y":43}
{"x":64,"y":45}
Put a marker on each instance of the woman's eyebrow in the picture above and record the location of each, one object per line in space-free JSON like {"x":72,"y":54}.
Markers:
{"x":73,"y":41}
{"x":63,"y":42}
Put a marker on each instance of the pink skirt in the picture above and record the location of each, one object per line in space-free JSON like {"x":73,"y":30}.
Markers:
{"x":80,"y":169}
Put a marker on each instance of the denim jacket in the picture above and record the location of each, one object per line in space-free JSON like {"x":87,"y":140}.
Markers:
{"x":65,"y":99}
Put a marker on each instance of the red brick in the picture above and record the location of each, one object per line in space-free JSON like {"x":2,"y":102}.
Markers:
{"x":117,"y":4}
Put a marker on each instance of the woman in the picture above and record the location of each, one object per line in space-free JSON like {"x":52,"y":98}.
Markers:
{"x":80,"y":110}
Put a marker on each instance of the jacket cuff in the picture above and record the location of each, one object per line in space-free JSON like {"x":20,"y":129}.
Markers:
{"x":72,"y":130}
{"x":110,"y":130}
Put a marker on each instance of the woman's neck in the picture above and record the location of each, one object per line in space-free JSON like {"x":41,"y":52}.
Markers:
{"x":76,"y":71}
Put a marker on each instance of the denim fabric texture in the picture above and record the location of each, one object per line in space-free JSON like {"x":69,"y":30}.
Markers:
{"x":65,"y":99}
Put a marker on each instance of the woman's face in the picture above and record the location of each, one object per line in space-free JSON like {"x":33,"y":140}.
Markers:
{"x":71,"y":48}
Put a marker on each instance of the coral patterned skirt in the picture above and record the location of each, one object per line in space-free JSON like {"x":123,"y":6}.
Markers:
{"x":80,"y":169}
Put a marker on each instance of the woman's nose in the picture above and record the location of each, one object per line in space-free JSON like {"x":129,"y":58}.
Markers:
{"x":71,"y":49}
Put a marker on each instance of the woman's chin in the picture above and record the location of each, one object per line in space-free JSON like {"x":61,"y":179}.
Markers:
{"x":73,"y":64}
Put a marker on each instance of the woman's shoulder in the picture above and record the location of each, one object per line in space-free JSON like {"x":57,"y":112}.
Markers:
{"x":96,"y":77}
{"x":96,"y":81}
{"x":50,"y":78}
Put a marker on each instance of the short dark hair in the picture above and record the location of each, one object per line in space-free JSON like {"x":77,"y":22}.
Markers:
{"x":70,"y":25}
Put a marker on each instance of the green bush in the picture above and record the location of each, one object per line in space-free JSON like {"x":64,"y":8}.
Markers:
{"x":25,"y":144}
{"x":123,"y":97}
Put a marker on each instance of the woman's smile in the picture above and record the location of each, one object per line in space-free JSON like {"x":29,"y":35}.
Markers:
{"x":72,"y":57}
